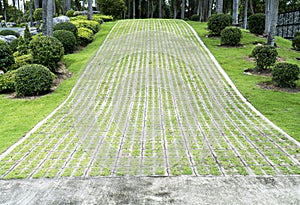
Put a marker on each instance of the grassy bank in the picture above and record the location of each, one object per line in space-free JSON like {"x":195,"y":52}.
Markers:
{"x":18,"y":116}
{"x":282,"y":108}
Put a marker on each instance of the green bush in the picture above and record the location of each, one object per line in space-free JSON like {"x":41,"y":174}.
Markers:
{"x":7,"y":82}
{"x":98,"y":19}
{"x":70,"y":13}
{"x":217,"y":22}
{"x":296,"y":43}
{"x":256,"y":23}
{"x":105,"y":18}
{"x":85,"y":36}
{"x":7,"y":32}
{"x":285,"y":75}
{"x":265,"y":56}
{"x":14,"y":45}
{"x":68,"y":26}
{"x":47,"y":51}
{"x":21,"y":60}
{"x":195,"y":17}
{"x":27,"y":35}
{"x":6,"y":56}
{"x":32,"y":80}
{"x":38,"y":14}
{"x":92,"y":25}
{"x":297,"y":33}
{"x":231,"y":36}
{"x":67,"y":38}
{"x":23,"y":47}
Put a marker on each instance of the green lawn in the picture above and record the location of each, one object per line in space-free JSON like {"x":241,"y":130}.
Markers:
{"x":18,"y":116}
{"x":281,"y":108}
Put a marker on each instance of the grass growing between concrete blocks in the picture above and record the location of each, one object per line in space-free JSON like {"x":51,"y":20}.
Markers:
{"x":282,"y":108}
{"x":18,"y":116}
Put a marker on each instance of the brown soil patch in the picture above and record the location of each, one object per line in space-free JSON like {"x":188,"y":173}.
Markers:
{"x":253,"y":71}
{"x":269,"y":86}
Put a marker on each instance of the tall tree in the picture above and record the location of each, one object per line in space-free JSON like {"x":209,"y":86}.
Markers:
{"x":30,"y":12}
{"x":273,"y":16}
{"x":235,"y":12}
{"x":219,"y":6}
{"x":133,"y":9}
{"x":90,"y":9}
{"x":159,"y":9}
{"x":44,"y":18}
{"x":36,"y":4}
{"x":49,"y":17}
{"x":268,"y":16}
{"x":245,"y":14}
{"x":182,"y":9}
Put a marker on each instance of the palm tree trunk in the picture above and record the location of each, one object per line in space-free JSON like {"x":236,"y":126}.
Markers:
{"x":209,"y":8}
{"x":235,"y":12}
{"x":159,"y":9}
{"x":273,"y":22}
{"x":182,"y":9}
{"x":30,"y":13}
{"x":175,"y":9}
{"x":219,"y":8}
{"x":245,"y":14}
{"x":90,"y":9}
{"x":268,"y":16}
{"x":199,"y":9}
{"x":44,"y":18}
{"x":133,"y":9}
{"x":49,"y":18}
{"x":36,"y":4}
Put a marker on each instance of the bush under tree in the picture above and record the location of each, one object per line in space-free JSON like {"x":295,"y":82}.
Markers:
{"x":256,"y":23}
{"x":217,"y":22}
{"x":231,"y":36}
{"x":195,"y":17}
{"x":285,"y":75}
{"x":7,"y":82}
{"x":265,"y":57}
{"x":67,"y":38}
{"x":111,"y":7}
{"x":7,"y":32}
{"x":85,"y":36}
{"x":47,"y":51}
{"x":33,"y":80}
{"x":6,"y":56}
{"x":67,"y":26}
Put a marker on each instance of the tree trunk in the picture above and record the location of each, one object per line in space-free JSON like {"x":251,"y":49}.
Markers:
{"x":4,"y":11}
{"x":209,"y":8}
{"x":140,"y":8}
{"x":182,"y":9}
{"x":175,"y":9}
{"x":54,"y":7}
{"x":235,"y":12}
{"x":68,"y":6}
{"x":159,"y":9}
{"x":219,"y":8}
{"x":129,"y":10}
{"x":251,"y":7}
{"x":199,"y":9}
{"x":49,"y":18}
{"x":90,"y":9}
{"x":36,"y":4}
{"x":133,"y":9}
{"x":273,"y":22}
{"x":268,"y":14}
{"x":245,"y":14}
{"x":44,"y":18}
{"x":30,"y":13}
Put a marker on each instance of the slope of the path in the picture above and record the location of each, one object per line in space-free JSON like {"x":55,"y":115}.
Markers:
{"x":153,"y":102}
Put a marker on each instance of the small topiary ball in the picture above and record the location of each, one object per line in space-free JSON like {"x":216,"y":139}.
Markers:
{"x":265,"y":57}
{"x":256,"y":23}
{"x":33,"y":80}
{"x":68,"y":26}
{"x":6,"y":56}
{"x":67,"y":38}
{"x":217,"y":22}
{"x":47,"y":51}
{"x":231,"y":36}
{"x":285,"y":75}
{"x":85,"y":36}
{"x":195,"y":17}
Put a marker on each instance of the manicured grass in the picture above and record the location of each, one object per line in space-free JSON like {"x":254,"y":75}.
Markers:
{"x":281,"y":108}
{"x":18,"y":116}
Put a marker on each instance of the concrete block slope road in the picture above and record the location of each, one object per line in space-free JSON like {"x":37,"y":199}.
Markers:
{"x":153,"y":103}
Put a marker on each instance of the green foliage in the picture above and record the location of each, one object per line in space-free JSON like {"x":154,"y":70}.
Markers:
{"x":68,"y":26}
{"x":67,"y":38}
{"x":265,"y":57}
{"x":111,"y":7}
{"x":285,"y":75}
{"x":231,"y":36}
{"x":296,"y":43}
{"x":7,"y":32}
{"x":256,"y":23}
{"x":217,"y":22}
{"x":32,"y":80}
{"x":92,"y":25}
{"x":27,"y":35}
{"x":105,"y":18}
{"x":21,"y":60}
{"x":7,"y":82}
{"x":70,"y":13}
{"x":47,"y":51}
{"x":38,"y":14}
{"x":195,"y":17}
{"x":14,"y":45}
{"x":6,"y":56}
{"x":98,"y":19}
{"x":85,"y":36}
{"x":23,"y":47}
{"x":297,"y":33}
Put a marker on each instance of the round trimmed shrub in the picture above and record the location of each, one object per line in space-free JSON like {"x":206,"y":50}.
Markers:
{"x":70,"y":13}
{"x":93,"y":25}
{"x":32,"y":80}
{"x":265,"y":57}
{"x":21,"y":60}
{"x":47,"y":51}
{"x":14,"y":45}
{"x":7,"y":82}
{"x":296,"y":43}
{"x":85,"y":36}
{"x":67,"y":26}
{"x":6,"y":56}
{"x":256,"y":23}
{"x":195,"y":17}
{"x":231,"y":36}
{"x":67,"y":38}
{"x":7,"y":32}
{"x":217,"y":22}
{"x":285,"y":75}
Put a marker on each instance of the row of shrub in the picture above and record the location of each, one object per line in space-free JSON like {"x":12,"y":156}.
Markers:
{"x":29,"y":62}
